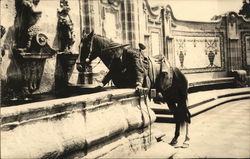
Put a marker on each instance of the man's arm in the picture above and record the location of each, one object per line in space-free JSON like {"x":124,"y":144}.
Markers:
{"x":106,"y":78}
{"x":139,"y":70}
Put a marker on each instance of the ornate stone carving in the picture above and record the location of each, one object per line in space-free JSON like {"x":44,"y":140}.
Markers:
{"x":115,"y":3}
{"x":27,"y":16}
{"x":245,"y":44}
{"x":211,"y":50}
{"x":195,"y":65}
{"x":66,"y":36}
{"x":30,"y":51}
{"x":168,"y":13}
{"x":181,"y":52}
{"x":232,"y":26}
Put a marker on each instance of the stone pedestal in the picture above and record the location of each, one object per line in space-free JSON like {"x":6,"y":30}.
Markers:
{"x":64,"y":68}
{"x":23,"y":75}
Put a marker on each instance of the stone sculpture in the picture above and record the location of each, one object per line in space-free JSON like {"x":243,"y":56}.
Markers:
{"x":66,"y":36}
{"x":27,"y":16}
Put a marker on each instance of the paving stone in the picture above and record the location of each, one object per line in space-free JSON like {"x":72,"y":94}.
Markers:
{"x":215,"y":134}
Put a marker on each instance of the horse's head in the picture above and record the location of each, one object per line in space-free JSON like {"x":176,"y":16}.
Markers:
{"x":87,"y":51}
{"x":93,"y":46}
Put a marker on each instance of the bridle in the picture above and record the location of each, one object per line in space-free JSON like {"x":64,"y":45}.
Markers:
{"x":88,"y":60}
{"x":90,"y":51}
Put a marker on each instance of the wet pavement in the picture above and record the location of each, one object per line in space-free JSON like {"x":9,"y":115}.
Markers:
{"x":222,"y":132}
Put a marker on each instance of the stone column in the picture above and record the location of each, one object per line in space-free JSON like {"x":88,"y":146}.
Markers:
{"x":234,"y":53}
{"x":131,"y":23}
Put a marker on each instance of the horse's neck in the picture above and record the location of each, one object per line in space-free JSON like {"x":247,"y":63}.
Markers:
{"x":107,"y":56}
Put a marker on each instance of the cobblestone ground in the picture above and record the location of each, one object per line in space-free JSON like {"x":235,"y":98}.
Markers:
{"x":223,"y":132}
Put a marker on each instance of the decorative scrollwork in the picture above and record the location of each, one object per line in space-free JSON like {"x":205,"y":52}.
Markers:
{"x":115,"y":3}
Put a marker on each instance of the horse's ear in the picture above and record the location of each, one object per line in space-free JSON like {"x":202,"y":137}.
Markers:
{"x":91,"y":34}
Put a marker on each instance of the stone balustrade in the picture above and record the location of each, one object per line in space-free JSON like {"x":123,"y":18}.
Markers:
{"x":113,"y":123}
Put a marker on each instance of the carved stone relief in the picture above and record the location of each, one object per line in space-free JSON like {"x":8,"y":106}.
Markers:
{"x":27,"y":17}
{"x":232,"y":26}
{"x":28,"y":54}
{"x":66,"y":36}
{"x":198,"y":52}
{"x":181,"y":50}
{"x":111,"y":20}
{"x":246,"y":49}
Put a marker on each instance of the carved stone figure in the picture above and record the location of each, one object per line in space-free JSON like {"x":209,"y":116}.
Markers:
{"x":66,"y":37}
{"x":27,"y":16}
{"x":29,"y":53}
{"x":245,"y":10}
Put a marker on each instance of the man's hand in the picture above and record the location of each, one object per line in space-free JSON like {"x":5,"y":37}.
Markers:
{"x":79,"y":68}
{"x":140,"y":89}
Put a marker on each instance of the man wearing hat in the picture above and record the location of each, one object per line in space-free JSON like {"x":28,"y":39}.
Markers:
{"x":132,"y":67}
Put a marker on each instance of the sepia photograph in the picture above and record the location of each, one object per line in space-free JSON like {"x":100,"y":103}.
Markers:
{"x":132,"y":79}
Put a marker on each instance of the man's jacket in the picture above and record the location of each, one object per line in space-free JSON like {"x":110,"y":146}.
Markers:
{"x":131,"y":66}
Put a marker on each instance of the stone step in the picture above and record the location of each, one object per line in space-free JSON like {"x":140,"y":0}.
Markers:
{"x":204,"y":107}
{"x":199,"y":98}
{"x":211,"y":82}
{"x":164,"y":115}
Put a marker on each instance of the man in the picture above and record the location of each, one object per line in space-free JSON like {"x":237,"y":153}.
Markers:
{"x":130,"y":66}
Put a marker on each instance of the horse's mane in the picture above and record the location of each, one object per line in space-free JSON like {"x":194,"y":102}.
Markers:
{"x":104,"y":41}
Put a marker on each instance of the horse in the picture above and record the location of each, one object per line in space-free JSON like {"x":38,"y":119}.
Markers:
{"x":174,"y":95}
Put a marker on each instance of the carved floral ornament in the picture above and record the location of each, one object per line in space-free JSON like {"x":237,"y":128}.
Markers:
{"x":181,"y":50}
{"x":232,"y":18}
{"x":210,"y":45}
{"x":114,"y":3}
{"x":168,"y":12}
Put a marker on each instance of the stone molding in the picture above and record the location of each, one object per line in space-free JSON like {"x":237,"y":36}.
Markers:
{"x":77,"y":126}
{"x":204,"y":34}
{"x":244,"y":35}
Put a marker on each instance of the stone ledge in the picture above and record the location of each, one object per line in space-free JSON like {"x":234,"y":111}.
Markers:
{"x":205,"y":100}
{"x":59,"y":127}
{"x":211,"y":82}
{"x":38,"y":109}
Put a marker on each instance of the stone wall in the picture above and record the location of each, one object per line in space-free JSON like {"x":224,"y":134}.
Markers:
{"x":14,"y":72}
{"x":113,"y":123}
{"x":206,"y":50}
{"x":211,"y":49}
